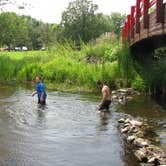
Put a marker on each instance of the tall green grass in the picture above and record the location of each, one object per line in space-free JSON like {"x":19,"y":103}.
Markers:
{"x":127,"y":70}
{"x":63,"y":64}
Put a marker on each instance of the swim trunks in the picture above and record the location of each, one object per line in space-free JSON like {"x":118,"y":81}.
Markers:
{"x":105,"y":105}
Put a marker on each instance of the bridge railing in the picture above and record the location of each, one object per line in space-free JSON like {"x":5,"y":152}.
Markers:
{"x":139,"y":17}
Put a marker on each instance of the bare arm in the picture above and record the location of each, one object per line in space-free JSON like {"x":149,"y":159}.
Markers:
{"x":33,"y":94}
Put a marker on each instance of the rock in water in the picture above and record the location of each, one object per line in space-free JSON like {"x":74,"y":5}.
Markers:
{"x":136,"y":123}
{"x":125,"y":130}
{"x":131,"y":138}
{"x":140,"y":142}
{"x":121,"y":120}
{"x":141,"y":155}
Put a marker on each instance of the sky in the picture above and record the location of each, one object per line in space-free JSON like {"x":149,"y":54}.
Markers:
{"x":51,"y":10}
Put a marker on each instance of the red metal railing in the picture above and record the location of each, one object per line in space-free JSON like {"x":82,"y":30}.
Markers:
{"x":140,"y":13}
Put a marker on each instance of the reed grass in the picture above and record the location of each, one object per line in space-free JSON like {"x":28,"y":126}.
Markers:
{"x":63,"y":64}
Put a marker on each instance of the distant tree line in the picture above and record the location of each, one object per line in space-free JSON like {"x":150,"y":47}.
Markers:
{"x":17,"y":31}
{"x":80,"y":22}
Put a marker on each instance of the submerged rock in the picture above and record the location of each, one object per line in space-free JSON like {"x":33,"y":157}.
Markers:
{"x":141,"y":155}
{"x":140,"y":142}
{"x":125,"y":130}
{"x":123,"y":95}
{"x":127,"y":120}
{"x":131,"y":138}
{"x":121,"y":120}
{"x":136,"y":123}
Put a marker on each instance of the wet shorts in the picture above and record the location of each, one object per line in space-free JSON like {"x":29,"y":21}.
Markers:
{"x":42,"y":103}
{"x":105,"y":105}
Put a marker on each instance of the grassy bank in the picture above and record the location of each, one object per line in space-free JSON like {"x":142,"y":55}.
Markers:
{"x":62,"y":66}
{"x":68,"y":69}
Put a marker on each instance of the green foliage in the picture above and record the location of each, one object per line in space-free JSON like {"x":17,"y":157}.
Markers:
{"x":101,"y":52}
{"x":160,"y":67}
{"x":160,"y":53}
{"x":29,"y":71}
{"x":18,"y":31}
{"x":111,"y":54}
{"x":7,"y":68}
{"x":40,"y":34}
{"x":125,"y":63}
{"x":60,"y":67}
{"x":138,"y":83}
{"x":81,"y":22}
{"x":13,"y":30}
{"x":117,"y":21}
{"x":68,"y":66}
{"x":130,"y":71}
{"x":151,"y":68}
{"x":97,"y":51}
{"x":13,"y":63}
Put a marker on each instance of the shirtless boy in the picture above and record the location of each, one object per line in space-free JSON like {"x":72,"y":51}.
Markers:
{"x":106,"y":97}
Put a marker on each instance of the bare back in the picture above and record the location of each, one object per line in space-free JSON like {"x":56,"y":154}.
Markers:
{"x":105,"y":92}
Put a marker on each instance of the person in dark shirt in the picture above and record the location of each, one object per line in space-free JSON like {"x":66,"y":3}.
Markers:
{"x":40,"y":91}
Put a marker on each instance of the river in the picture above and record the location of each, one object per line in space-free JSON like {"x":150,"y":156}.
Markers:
{"x":69,"y":131}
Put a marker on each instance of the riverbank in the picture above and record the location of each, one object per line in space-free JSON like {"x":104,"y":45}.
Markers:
{"x":65,"y":65}
{"x":78,"y":70}
{"x":66,"y":70}
{"x":138,"y":132}
{"x":134,"y":132}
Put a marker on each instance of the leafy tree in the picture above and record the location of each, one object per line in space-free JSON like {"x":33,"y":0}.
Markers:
{"x":13,"y":30}
{"x":40,"y":34}
{"x":48,"y":34}
{"x":78,"y":21}
{"x":81,"y":22}
{"x":103,"y":24}
{"x":18,"y":30}
{"x":34,"y":32}
{"x":117,"y":21}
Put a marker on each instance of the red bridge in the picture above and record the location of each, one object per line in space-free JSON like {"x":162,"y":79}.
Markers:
{"x":146,"y":20}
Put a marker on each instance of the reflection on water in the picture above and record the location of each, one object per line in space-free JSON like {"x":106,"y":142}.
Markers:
{"x":68,"y":132}
{"x":104,"y":120}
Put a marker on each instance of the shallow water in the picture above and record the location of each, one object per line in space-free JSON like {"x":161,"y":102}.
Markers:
{"x":68,"y":132}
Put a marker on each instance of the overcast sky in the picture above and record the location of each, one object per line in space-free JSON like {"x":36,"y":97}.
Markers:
{"x":51,"y":10}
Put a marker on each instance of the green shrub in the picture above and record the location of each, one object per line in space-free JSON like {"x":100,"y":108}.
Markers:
{"x":138,"y":83}
{"x":29,"y":72}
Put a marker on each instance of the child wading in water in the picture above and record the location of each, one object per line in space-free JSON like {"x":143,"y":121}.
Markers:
{"x":40,"y":91}
{"x":106,"y":97}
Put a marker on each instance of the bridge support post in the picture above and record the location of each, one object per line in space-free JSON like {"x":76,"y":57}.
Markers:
{"x":138,"y":14}
{"x":128,"y":26}
{"x":159,"y":11}
{"x":146,"y":16}
{"x":132,"y":21}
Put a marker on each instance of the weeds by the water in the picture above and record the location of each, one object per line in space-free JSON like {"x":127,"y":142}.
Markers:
{"x":62,"y":64}
{"x":69,"y":66}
